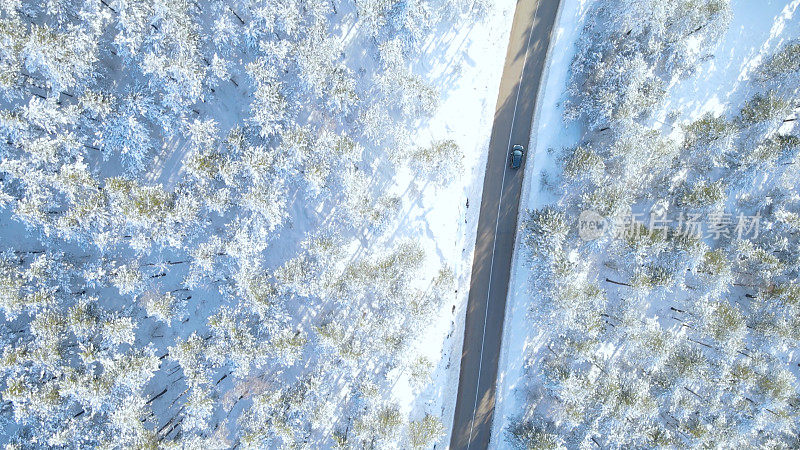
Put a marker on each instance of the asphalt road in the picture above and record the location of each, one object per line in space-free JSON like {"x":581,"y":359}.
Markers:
{"x":497,"y":224}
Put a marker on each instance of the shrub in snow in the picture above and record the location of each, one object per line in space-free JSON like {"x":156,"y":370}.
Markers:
{"x":442,"y":161}
{"x":424,"y":432}
{"x":164,"y":307}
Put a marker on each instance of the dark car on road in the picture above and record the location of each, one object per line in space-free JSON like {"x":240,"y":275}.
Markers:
{"x":515,"y":156}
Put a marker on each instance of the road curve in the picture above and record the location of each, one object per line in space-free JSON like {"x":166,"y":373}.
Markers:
{"x":497,"y":225}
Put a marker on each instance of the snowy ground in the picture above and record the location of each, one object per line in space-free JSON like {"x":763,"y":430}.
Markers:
{"x":757,"y":30}
{"x":440,"y":219}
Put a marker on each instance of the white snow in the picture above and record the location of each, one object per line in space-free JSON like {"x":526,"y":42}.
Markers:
{"x":470,"y":70}
{"x":757,"y":30}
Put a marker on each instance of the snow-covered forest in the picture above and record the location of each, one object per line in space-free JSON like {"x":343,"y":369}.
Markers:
{"x":679,"y":325}
{"x":202,"y":232}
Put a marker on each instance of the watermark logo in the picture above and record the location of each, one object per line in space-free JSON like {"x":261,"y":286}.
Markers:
{"x":714,"y":226}
{"x":591,"y":225}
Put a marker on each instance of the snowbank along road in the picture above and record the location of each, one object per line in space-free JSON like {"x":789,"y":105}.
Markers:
{"x":530,"y":36}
